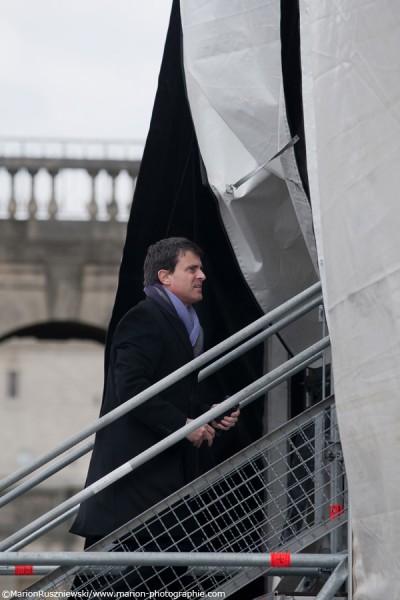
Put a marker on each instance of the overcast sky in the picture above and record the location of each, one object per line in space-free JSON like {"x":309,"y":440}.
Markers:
{"x":80,"y":68}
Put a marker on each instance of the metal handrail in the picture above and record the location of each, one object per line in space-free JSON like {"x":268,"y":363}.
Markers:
{"x":197,"y":363}
{"x":42,"y":570}
{"x":245,"y":347}
{"x":253,"y":390}
{"x":40,"y":477}
{"x":261,"y":337}
{"x":284,"y":377}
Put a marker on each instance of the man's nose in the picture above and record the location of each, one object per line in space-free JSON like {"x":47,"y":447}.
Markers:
{"x":201,"y":275}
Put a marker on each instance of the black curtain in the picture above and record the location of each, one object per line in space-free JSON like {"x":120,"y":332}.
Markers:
{"x":292,"y":86}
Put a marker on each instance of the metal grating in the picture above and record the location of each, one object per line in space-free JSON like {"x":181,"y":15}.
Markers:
{"x":281,"y":493}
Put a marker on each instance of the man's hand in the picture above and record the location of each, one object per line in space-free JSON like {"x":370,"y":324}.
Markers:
{"x":205,"y":433}
{"x":227,"y":421}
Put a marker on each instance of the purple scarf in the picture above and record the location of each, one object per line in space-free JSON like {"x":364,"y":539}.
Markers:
{"x":174,"y":306}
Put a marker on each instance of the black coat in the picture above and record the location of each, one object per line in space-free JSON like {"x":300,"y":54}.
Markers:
{"x":148,"y":344}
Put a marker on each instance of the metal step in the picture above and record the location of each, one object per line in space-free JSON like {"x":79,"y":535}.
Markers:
{"x":280,"y":494}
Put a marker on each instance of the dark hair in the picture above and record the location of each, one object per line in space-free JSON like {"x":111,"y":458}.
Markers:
{"x":165,"y":255}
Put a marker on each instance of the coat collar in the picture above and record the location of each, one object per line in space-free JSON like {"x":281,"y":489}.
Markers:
{"x":177,"y":326}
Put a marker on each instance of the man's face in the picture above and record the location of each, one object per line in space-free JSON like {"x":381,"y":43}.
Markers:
{"x":186,"y":281}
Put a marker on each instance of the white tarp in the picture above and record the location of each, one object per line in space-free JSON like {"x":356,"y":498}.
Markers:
{"x":351,"y":88}
{"x":232,"y":61}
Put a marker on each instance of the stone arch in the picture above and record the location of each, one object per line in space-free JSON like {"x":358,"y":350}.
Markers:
{"x":58,"y":330}
{"x":51,"y":382}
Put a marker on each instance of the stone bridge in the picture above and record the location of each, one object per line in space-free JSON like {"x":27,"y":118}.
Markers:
{"x":62,"y":228}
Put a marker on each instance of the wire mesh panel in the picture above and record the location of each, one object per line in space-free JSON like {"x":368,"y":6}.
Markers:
{"x":276,"y":495}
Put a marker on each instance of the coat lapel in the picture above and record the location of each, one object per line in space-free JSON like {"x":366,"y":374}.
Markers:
{"x":178,"y":330}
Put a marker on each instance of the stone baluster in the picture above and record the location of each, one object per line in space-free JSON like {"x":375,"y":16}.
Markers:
{"x":52,"y":208}
{"x":133,"y":177}
{"x":92,"y":207}
{"x":32,"y":204}
{"x":112,"y":206}
{"x":12,"y":202}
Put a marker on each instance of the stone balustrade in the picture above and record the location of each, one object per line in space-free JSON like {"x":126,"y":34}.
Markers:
{"x":67,"y":179}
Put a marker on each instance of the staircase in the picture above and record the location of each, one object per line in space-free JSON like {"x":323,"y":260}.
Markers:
{"x":280,"y":495}
{"x":283,"y":495}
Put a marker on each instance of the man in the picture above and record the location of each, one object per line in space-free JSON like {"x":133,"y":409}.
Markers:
{"x":153,"y":339}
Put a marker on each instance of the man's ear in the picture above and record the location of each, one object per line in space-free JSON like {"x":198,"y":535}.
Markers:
{"x":163,"y":277}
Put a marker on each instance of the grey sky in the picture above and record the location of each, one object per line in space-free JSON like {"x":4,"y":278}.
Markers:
{"x":80,"y":68}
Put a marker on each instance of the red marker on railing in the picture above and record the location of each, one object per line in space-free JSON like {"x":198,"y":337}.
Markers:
{"x":280,"y":559}
{"x":335,"y":510}
{"x":23,"y":570}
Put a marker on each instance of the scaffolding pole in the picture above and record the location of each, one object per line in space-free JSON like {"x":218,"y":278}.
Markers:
{"x":335,"y":581}
{"x":41,"y":570}
{"x":275,"y":560}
